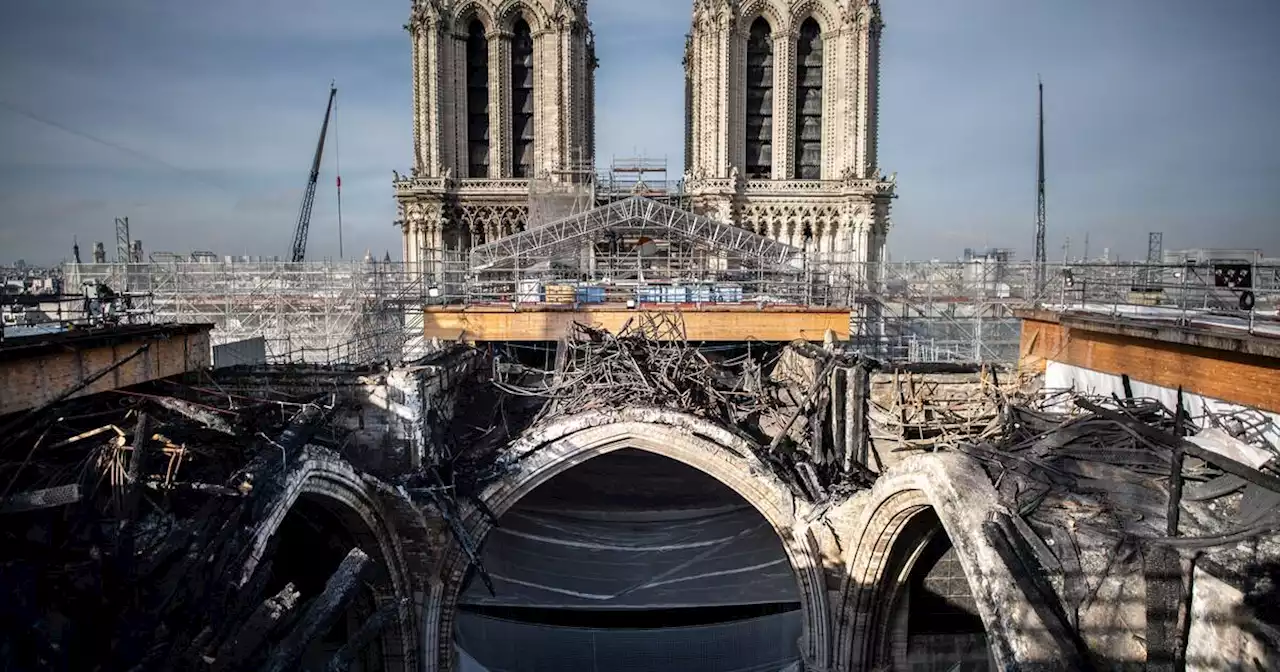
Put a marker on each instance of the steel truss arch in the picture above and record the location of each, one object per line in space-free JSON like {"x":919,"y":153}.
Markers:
{"x":573,"y":232}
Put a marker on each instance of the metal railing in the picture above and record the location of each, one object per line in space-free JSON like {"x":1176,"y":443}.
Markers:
{"x":905,"y":311}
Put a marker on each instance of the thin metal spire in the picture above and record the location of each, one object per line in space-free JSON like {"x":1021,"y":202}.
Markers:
{"x":1040,"y":200}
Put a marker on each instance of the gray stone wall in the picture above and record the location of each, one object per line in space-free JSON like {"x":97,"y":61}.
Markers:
{"x":1225,"y":634}
{"x":391,"y":419}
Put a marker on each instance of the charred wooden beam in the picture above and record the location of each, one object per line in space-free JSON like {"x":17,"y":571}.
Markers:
{"x":1163,"y":573}
{"x":137,"y":466}
{"x":205,"y":417}
{"x":860,"y":395}
{"x":1168,"y":440}
{"x":323,"y":612}
{"x":46,"y":498}
{"x":810,"y":398}
{"x":1175,"y":471}
{"x":255,"y":630}
{"x":345,"y":656}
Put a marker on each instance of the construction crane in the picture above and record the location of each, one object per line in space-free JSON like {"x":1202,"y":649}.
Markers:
{"x":309,"y":196}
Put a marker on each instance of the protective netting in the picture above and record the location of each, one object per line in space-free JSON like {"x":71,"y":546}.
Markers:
{"x":764,"y":644}
{"x":714,"y":558}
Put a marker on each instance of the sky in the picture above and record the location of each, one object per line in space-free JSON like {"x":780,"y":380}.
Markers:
{"x":198,"y":121}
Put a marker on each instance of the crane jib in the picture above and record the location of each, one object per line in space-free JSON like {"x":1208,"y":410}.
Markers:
{"x":309,"y":195}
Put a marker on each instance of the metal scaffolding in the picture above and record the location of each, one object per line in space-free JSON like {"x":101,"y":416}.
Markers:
{"x":318,"y":312}
{"x":572,"y":234}
{"x":329,"y":312}
{"x":561,"y":193}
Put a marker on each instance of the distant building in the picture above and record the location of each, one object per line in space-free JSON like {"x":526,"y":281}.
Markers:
{"x":1001,"y":255}
{"x":1213,"y":255}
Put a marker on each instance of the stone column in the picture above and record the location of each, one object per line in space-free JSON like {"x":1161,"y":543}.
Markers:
{"x":435,"y":244}
{"x":424,"y":247}
{"x":784,"y":104}
{"x":880,"y":230}
{"x":411,"y":238}
{"x":499,"y":103}
{"x":844,"y":107}
{"x":731,"y":106}
{"x":716,"y":88}
{"x":846,"y":236}
{"x":546,"y":84}
{"x":416,"y":56}
{"x":557,"y":102}
{"x":873,"y":90}
{"x":864,"y":141}
{"x":702,"y":113}
{"x":693,"y":68}
{"x":580,"y":121}
{"x":435,"y":77}
{"x":831,"y":120}
{"x":404,"y":238}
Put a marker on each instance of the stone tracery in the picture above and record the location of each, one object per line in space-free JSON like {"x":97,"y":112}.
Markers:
{"x":840,"y":141}
{"x":441,"y":215}
{"x":807,"y":177}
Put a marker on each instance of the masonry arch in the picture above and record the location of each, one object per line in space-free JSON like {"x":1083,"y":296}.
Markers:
{"x":692,"y":441}
{"x":905,"y":512}
{"x":818,"y":10}
{"x":472,"y":10}
{"x":765,"y":9}
{"x":328,"y":492}
{"x":511,"y":11}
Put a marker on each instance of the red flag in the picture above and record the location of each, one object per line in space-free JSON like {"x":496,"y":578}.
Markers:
{"x":339,"y":181}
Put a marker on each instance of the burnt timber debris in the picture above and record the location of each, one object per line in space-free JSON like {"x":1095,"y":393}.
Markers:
{"x":126,"y":517}
{"x":782,"y":405}
{"x":126,"y":520}
{"x":1098,"y":488}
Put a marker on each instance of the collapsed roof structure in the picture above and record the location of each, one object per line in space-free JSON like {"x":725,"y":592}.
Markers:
{"x":398,"y":517}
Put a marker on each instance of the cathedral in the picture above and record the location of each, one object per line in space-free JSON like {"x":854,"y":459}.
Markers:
{"x":780,"y":121}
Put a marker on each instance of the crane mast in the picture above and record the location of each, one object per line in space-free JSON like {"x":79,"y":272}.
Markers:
{"x":309,"y":196}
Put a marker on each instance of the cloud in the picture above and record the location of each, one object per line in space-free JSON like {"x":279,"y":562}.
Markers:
{"x":1157,"y":119}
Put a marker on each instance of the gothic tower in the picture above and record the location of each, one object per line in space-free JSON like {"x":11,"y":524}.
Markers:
{"x":502,"y":94}
{"x":781,"y":122}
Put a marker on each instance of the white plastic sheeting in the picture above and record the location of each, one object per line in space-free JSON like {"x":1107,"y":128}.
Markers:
{"x":1193,"y":317}
{"x":1064,"y":376}
{"x":719,"y":557}
{"x":1222,"y":443}
{"x":763,"y":644}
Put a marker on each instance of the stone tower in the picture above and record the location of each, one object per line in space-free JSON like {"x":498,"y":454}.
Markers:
{"x":781,"y":110}
{"x":502,"y":94}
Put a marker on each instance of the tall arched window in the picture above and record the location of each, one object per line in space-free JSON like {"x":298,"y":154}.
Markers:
{"x":759,"y":159}
{"x":521,"y":100}
{"x":809,"y":102}
{"x":477,"y":101}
